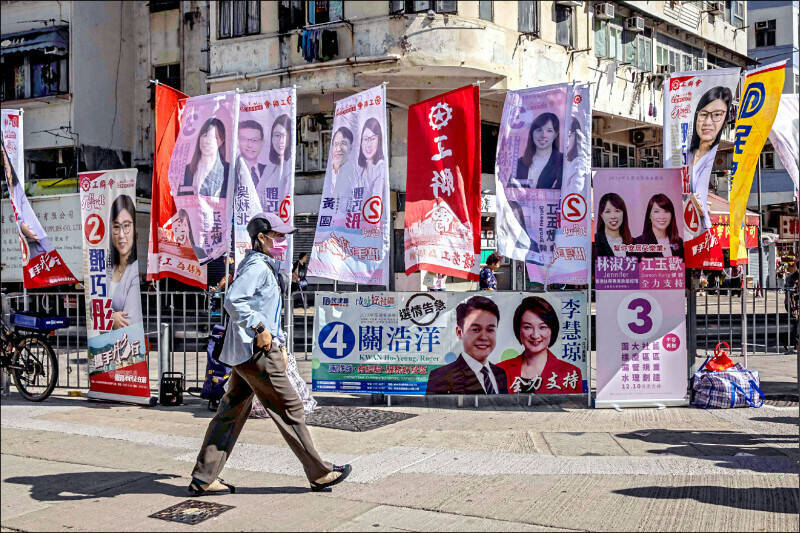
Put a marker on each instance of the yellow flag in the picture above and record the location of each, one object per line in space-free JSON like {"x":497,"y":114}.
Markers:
{"x":761,"y":95}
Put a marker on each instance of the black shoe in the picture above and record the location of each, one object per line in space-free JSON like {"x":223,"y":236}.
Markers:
{"x":331,"y":479}
{"x":198,"y":488}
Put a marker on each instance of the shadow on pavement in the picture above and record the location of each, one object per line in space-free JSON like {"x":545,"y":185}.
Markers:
{"x":87,"y":485}
{"x":772,"y":500}
{"x":778,"y":419}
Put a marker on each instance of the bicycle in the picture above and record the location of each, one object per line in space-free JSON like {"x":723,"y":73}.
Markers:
{"x":31,"y":362}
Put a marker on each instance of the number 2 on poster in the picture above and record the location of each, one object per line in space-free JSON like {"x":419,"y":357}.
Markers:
{"x":639,"y":316}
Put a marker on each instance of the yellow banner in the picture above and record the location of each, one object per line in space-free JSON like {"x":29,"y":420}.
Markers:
{"x":761,"y":95}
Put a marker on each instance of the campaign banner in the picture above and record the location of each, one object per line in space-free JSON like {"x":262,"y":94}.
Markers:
{"x":529,"y":172}
{"x":697,"y":107}
{"x":13,"y":141}
{"x":42,"y":265}
{"x":640,"y":281}
{"x":761,"y":95}
{"x":443,"y":197}
{"x":351,"y":243}
{"x":60,"y":219}
{"x":265,"y":173}
{"x":785,"y":136}
{"x":450,"y":343}
{"x":170,"y":250}
{"x":115,"y":332}
{"x":201,"y":173}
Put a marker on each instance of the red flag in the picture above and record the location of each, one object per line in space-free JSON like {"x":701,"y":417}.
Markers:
{"x":443,"y":198}
{"x":163,"y":248}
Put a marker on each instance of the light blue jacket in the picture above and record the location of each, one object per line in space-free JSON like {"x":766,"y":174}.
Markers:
{"x":253,"y":297}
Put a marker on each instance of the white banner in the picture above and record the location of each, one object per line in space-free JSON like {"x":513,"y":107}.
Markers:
{"x":13,"y":141}
{"x":784,"y":136}
{"x":351,"y":243}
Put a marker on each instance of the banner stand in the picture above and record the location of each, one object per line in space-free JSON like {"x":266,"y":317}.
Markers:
{"x":658,"y":404}
{"x":151,"y":401}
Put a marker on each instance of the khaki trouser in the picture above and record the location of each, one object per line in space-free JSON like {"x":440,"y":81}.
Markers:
{"x":265,"y":375}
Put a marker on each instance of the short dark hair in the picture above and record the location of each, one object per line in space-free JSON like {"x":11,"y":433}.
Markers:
{"x":251,"y":125}
{"x":541,"y":308}
{"x":475,"y":303}
{"x":494,"y":258}
{"x":345,"y":131}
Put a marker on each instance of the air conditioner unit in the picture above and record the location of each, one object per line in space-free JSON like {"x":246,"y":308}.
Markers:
{"x":716,"y":8}
{"x":663,"y":69}
{"x":638,"y":137}
{"x":604,"y":10}
{"x":762,"y":25}
{"x":570,"y":3}
{"x":634,"y":24}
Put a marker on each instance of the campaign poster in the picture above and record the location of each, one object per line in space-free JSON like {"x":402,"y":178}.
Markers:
{"x":170,"y":251}
{"x":201,"y":172}
{"x":640,"y":282}
{"x":761,"y":96}
{"x":351,"y":243}
{"x":529,"y":170}
{"x":42,"y":265}
{"x":265,"y":174}
{"x":698,"y":106}
{"x":450,"y":343}
{"x":443,"y":198}
{"x":115,"y":331}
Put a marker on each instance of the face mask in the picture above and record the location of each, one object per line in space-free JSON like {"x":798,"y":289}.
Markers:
{"x":279,"y":247}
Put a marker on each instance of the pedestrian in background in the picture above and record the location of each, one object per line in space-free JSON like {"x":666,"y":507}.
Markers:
{"x":255,"y":349}
{"x":488,"y":281}
{"x":792,"y":303}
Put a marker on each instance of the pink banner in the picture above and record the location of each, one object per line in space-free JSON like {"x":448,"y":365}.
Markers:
{"x":640,"y":281}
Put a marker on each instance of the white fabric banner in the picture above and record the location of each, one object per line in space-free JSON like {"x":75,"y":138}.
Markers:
{"x":13,"y":141}
{"x":784,"y":136}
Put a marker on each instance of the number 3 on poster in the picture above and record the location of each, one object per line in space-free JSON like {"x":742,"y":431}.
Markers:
{"x":639,"y":316}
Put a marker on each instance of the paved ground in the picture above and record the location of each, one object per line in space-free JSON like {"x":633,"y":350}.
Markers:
{"x":70,"y":464}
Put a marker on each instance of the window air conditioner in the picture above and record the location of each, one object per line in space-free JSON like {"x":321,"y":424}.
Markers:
{"x":761,"y":25}
{"x":634,"y":24}
{"x":663,"y":69}
{"x":570,"y":3}
{"x":604,"y":10}
{"x":716,"y":8}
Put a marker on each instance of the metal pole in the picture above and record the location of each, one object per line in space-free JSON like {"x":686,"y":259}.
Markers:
{"x":760,"y":256}
{"x":163,"y":354}
{"x":744,"y":314}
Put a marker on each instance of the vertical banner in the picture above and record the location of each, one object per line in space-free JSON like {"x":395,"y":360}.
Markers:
{"x":201,"y":174}
{"x":697,"y":107}
{"x":529,"y":173}
{"x":351,"y":243}
{"x":265,"y":173}
{"x":785,"y":136}
{"x":640,"y":279}
{"x":441,"y":343}
{"x":761,"y":95}
{"x":443,"y":197}
{"x":115,"y":332}
{"x":42,"y":265}
{"x":170,"y":250}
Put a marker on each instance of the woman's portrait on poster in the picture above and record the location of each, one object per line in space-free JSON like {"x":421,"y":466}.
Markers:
{"x":613,"y":231}
{"x":541,"y":165}
{"x":370,"y":174}
{"x":207,"y":172}
{"x":712,"y":113}
{"x":660,"y":227}
{"x":279,"y":162}
{"x":182,"y":232}
{"x":537,"y":369}
{"x":123,"y":275}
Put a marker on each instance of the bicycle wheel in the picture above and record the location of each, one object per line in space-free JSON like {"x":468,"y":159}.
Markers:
{"x":34,"y":369}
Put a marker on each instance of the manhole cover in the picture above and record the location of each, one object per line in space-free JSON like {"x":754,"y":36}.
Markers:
{"x":354,"y":418}
{"x":191,"y":512}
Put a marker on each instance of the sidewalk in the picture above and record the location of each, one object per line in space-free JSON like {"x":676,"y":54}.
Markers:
{"x":73,"y":464}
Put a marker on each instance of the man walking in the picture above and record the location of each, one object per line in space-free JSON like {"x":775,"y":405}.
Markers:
{"x":254,"y":348}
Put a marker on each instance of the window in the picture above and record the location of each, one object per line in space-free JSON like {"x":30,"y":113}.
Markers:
{"x":238,"y":17}
{"x":767,"y":160}
{"x":528,"y":17}
{"x":291,"y":15}
{"x":485,"y":10}
{"x":765,"y":33}
{"x":416,"y":6}
{"x":163,"y":5}
{"x":168,"y":75}
{"x":489,"y":135}
{"x":34,"y":75}
{"x":639,"y":49}
{"x":734,"y":12}
{"x":608,"y":39}
{"x":676,"y":56}
{"x":320,"y":12}
{"x":564,"y":26}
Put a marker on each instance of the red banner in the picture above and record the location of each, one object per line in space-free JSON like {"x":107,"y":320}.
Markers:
{"x":167,"y":251}
{"x":443,"y":200}
{"x":701,"y":246}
